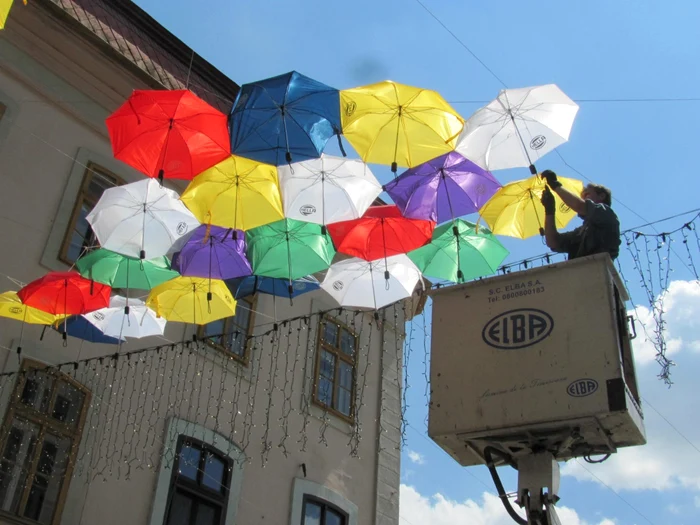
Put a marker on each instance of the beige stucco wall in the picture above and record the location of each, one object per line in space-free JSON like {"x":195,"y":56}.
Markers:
{"x":58,"y":91}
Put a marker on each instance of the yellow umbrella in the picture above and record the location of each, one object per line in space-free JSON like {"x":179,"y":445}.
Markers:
{"x":192,"y":300}
{"x":515,"y":209}
{"x":236,"y":193}
{"x":5,"y":6}
{"x":11,"y":306}
{"x":398,"y":125}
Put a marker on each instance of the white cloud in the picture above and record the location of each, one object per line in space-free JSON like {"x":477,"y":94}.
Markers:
{"x":416,"y":458}
{"x":667,"y":462}
{"x":416,"y":509}
{"x":681,"y":305}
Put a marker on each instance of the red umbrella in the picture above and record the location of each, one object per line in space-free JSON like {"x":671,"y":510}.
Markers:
{"x":169,"y":134}
{"x":65,"y":293}
{"x":381,"y":232}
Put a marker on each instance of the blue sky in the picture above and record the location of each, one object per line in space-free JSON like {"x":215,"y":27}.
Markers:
{"x":644,"y":151}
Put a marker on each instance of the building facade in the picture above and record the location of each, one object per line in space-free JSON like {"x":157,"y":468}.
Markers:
{"x":292,"y":416}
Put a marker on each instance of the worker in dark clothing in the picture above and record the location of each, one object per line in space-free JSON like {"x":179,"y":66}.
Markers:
{"x":600,"y":232}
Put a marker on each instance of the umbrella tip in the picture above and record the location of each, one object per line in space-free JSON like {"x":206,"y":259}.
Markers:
{"x":533,"y":170}
{"x":394,"y":167}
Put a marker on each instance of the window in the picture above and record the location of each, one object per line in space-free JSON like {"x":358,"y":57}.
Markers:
{"x":319,"y":512}
{"x":200,"y":485}
{"x":231,"y":334}
{"x":79,"y":236}
{"x":334,"y":378}
{"x":39,"y":440}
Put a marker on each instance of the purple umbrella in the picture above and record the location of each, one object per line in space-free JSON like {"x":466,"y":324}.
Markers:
{"x":442,"y":189}
{"x":218,"y":253}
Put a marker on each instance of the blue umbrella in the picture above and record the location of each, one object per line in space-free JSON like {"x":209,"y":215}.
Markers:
{"x":284,"y":119}
{"x":78,"y":326}
{"x":245,"y":286}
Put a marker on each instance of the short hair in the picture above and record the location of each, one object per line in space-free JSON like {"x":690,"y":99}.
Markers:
{"x":604,"y":191}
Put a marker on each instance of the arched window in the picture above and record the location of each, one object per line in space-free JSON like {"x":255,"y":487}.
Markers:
{"x":319,"y":512}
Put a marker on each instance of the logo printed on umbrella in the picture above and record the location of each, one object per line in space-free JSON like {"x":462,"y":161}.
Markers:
{"x":307,"y":209}
{"x":564,"y":208}
{"x":173,"y":165}
{"x":338,"y":285}
{"x":350,"y":108}
{"x":99,"y":316}
{"x":299,"y":286}
{"x":480,"y":189}
{"x":16,"y":309}
{"x":181,"y":228}
{"x":538,"y":142}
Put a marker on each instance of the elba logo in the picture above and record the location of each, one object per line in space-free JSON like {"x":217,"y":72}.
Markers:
{"x":564,"y":208}
{"x":517,"y":329}
{"x":181,"y":228}
{"x":338,"y":285}
{"x":582,"y":387}
{"x":98,"y":316}
{"x":307,"y":209}
{"x":16,"y":309}
{"x":538,"y":142}
{"x":350,"y":108}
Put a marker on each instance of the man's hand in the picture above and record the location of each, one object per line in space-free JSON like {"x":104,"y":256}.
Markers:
{"x":548,"y":202}
{"x":551,"y":179}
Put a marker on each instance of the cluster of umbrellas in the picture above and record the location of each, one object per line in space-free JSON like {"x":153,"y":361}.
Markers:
{"x":267,"y":211}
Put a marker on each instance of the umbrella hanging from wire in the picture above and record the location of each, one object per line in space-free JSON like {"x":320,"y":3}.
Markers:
{"x":252,"y":284}
{"x":237,"y":193}
{"x":518,"y":128}
{"x":168,"y":134}
{"x":80,"y":327}
{"x":127,"y":318}
{"x":120,"y":271}
{"x":284,"y":119}
{"x":459,"y":251}
{"x":11,"y":307}
{"x":327,"y":190}
{"x":442,"y":189}
{"x":142,"y":219}
{"x":515,"y":209}
{"x":213,"y":252}
{"x":361,"y":284}
{"x":289,"y":249}
{"x":398,"y":125}
{"x":65,"y":293}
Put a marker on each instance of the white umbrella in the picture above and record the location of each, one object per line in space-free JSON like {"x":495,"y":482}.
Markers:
{"x":141,"y":219}
{"x":327,"y":190}
{"x":118,"y":321}
{"x":518,"y":128}
{"x":363,"y":284}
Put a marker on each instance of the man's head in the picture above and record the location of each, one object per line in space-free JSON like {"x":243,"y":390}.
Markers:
{"x":598,"y":194}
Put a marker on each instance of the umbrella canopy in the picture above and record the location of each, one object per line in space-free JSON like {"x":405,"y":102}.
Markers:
{"x":328,"y":189}
{"x":442,"y":189}
{"x":362,"y":284}
{"x":460,"y":251}
{"x":289,"y":249}
{"x":515,"y":209}
{"x":237,"y":193}
{"x":518,"y":128}
{"x":127,"y":318}
{"x":381,"y":232}
{"x":398,"y":125}
{"x":213,"y":252}
{"x":5,"y":6}
{"x":284,"y":119}
{"x":80,"y":328}
{"x":11,"y":307}
{"x":119,"y":271}
{"x":168,"y":133}
{"x":245,"y":286}
{"x":141,"y":219}
{"x":65,"y":293}
{"x":192,"y":300}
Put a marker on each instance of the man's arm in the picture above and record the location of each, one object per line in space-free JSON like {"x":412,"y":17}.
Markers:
{"x":572,"y":200}
{"x":551,"y":235}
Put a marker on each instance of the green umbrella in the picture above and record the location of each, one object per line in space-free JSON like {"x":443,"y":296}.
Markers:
{"x":289,"y":249}
{"x":459,"y":251}
{"x":120,"y":271}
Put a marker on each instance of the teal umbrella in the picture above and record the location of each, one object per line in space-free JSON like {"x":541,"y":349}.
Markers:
{"x":460,"y":251}
{"x":289,"y":249}
{"x":120,"y":271}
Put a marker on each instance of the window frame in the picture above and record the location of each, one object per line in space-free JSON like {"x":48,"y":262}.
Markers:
{"x":324,"y":504}
{"x":252,"y":302}
{"x":46,"y":423}
{"x":81,"y":197}
{"x":195,"y":487}
{"x":339,"y":355}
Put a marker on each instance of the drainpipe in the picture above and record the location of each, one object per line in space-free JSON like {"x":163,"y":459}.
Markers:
{"x":379,"y":410}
